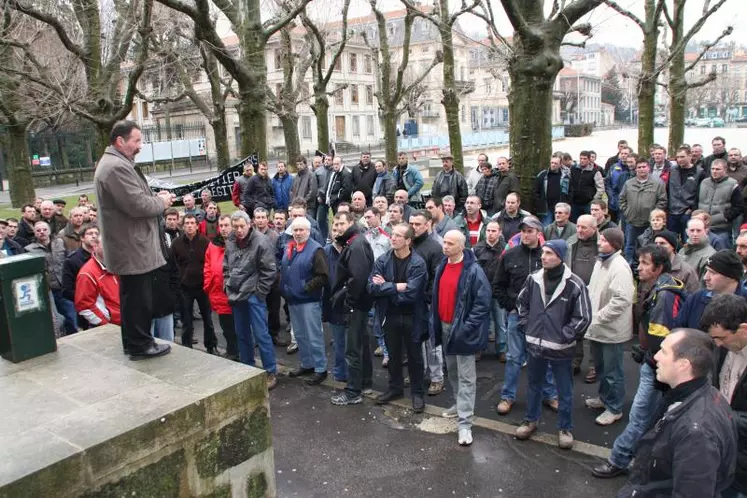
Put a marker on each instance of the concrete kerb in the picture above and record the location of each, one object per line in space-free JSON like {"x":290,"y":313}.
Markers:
{"x":485,"y":423}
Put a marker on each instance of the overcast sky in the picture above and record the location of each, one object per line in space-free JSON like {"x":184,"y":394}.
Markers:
{"x":609,"y":26}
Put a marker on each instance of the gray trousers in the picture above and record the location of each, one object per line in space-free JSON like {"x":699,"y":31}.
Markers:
{"x":463,"y":379}
{"x":434,"y":361}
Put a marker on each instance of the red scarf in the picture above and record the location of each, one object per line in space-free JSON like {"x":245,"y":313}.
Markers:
{"x":293,"y":245}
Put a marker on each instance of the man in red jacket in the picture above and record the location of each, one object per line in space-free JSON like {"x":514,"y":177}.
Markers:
{"x":97,"y":292}
{"x":213,"y":285}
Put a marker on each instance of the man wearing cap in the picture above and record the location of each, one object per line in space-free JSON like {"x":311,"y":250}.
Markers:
{"x":516,"y":265}
{"x":680,"y":269}
{"x":723,"y":275}
{"x":554,"y":312}
{"x":450,"y":182}
{"x":611,"y":290}
{"x":49,"y":215}
{"x":8,"y":247}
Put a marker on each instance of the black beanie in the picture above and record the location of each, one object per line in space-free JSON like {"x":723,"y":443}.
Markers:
{"x":727,"y":263}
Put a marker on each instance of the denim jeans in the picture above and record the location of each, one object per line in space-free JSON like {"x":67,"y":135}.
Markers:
{"x":322,"y":211}
{"x":66,"y":308}
{"x":631,"y":236}
{"x":380,"y":338}
{"x":644,"y":407}
{"x":163,"y":328}
{"x":340,"y":370}
{"x":463,"y":379}
{"x":358,"y":353}
{"x":250,"y":319}
{"x":516,"y":355}
{"x":307,"y":327}
{"x":563,"y":374}
{"x":608,"y":359}
{"x":498,"y":318}
{"x":434,"y":360}
{"x":677,"y":223}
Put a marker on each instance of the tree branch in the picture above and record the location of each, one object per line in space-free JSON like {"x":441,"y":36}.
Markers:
{"x":626,"y":13}
{"x":54,"y":23}
{"x":513,"y":12}
{"x":289,"y":16}
{"x":697,"y":84}
{"x":574,"y":11}
{"x":465,"y":8}
{"x":574,"y":44}
{"x":438,"y":59}
{"x":706,"y":48}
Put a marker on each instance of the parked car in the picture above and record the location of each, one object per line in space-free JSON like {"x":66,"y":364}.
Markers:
{"x":743,"y":119}
{"x":660,"y":121}
{"x":703,"y":122}
{"x":690,"y":122}
{"x":717,"y":123}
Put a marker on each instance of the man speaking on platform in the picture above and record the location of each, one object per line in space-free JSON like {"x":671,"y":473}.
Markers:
{"x":128,"y":214}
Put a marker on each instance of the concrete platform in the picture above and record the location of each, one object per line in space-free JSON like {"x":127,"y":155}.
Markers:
{"x":87,"y":421}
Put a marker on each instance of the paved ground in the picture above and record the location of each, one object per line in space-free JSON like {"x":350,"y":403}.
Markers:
{"x":489,"y":383}
{"x":369,"y":451}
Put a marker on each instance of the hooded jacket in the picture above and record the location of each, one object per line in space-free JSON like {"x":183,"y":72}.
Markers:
{"x":353,"y":269}
{"x":614,"y":181}
{"x":510,"y":224}
{"x":213,"y":276}
{"x":281,"y":185}
{"x":386,"y":294}
{"x":248,"y":268}
{"x":469,"y":328}
{"x":661,"y":308}
{"x":514,"y":268}
{"x":97,"y":294}
{"x":553,"y":326}
{"x":611,"y":290}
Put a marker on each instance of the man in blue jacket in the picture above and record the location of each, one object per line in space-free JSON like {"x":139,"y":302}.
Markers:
{"x":460,"y":313}
{"x":398,"y":283}
{"x":408,"y":178}
{"x":281,"y":185}
{"x":554,"y":312}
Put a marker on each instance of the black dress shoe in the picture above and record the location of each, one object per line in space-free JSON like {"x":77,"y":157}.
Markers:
{"x":153,"y":351}
{"x":418,"y":404}
{"x":607,"y":470}
{"x":388,"y":397}
{"x":297,"y":372}
{"x":277,"y":341}
{"x":316,"y":379}
{"x":213,"y":351}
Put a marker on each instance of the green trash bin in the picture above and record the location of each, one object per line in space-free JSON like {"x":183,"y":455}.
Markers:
{"x":26,"y":325}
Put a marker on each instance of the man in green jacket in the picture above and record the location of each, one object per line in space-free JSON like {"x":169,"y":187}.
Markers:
{"x":640,"y":196}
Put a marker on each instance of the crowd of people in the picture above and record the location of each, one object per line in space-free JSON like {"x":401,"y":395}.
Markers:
{"x":643,"y":247}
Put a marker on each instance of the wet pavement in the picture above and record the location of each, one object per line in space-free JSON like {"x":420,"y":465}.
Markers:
{"x":322,"y":450}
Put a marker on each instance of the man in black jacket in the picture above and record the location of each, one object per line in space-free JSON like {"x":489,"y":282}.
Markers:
{"x":690,"y":448}
{"x":89,"y":238}
{"x":515,"y":266}
{"x":364,"y":176}
{"x":189,"y":254}
{"x":719,"y":152}
{"x":725,"y":319}
{"x":351,"y":298}
{"x":488,"y":253}
{"x":259,"y":191}
{"x":26,"y":224}
{"x":339,"y":186}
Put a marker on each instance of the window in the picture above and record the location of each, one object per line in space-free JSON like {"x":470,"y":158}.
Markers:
{"x":370,"y":125}
{"x":356,"y":126}
{"x":713,"y":68}
{"x":278,"y":60}
{"x":339,"y":95}
{"x":145,"y":110}
{"x":306,"y":127}
{"x":338,"y":64}
{"x":367,"y":64}
{"x":702,"y":69}
{"x":425,"y":49}
{"x":353,"y":63}
{"x":354,"y":94}
{"x":278,"y":90}
{"x":488,"y":86}
{"x":369,"y":95}
{"x":724,"y":68}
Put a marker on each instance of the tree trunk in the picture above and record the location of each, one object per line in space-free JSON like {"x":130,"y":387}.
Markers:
{"x":647,"y":81}
{"x":63,"y":151}
{"x":677,"y":83}
{"x":530,"y":103}
{"x":390,"y":136}
{"x":223,"y":156}
{"x":102,"y":139}
{"x":19,"y":166}
{"x":292,"y":143}
{"x":450,"y":99}
{"x":252,"y":104}
{"x":321,"y":109}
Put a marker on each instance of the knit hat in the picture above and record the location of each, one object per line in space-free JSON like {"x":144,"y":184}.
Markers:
{"x":530,"y":222}
{"x":669,"y":236}
{"x":727,"y":263}
{"x":615,"y":237}
{"x":558,"y":246}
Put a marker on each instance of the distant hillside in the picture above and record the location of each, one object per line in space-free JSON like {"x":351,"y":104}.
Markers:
{"x":620,"y":54}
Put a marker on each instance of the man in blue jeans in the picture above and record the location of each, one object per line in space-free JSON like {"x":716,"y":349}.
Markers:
{"x":514,"y":268}
{"x":334,"y":319}
{"x":554,"y":312}
{"x":661,"y":307}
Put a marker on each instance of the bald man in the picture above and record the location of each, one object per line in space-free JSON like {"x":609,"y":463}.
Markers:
{"x":460,"y":314}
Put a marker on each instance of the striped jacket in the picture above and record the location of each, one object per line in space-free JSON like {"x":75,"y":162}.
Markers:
{"x":553,"y":327}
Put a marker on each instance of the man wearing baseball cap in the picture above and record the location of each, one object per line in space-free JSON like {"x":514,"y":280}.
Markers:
{"x":554,"y":312}
{"x":516,"y":265}
{"x":723,"y":275}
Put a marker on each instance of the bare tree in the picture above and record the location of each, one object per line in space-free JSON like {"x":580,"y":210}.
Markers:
{"x":320,"y":41}
{"x":394,"y":91}
{"x":246,"y":64}
{"x":568,"y":104}
{"x":534,"y":60}
{"x":101,"y":53}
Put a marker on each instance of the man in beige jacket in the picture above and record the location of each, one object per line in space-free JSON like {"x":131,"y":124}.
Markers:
{"x":611,"y":290}
{"x":129,"y":222}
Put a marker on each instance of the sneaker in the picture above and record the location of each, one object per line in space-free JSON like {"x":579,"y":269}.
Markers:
{"x":450,"y":413}
{"x":565,"y":440}
{"x":272,"y":381}
{"x":367,"y":391}
{"x":594,"y":404}
{"x":385,"y":362}
{"x":591,"y":375}
{"x":525,"y":430}
{"x":379,"y":352}
{"x":292,"y":348}
{"x":465,"y":437}
{"x":552,"y":404}
{"x":608,"y":418}
{"x":435,"y":388}
{"x":524,"y":365}
{"x":502,"y":357}
{"x":343,"y":399}
{"x":504,"y":407}
{"x":407,"y":381}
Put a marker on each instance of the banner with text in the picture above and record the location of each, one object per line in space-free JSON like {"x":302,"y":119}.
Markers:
{"x":219,"y":185}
